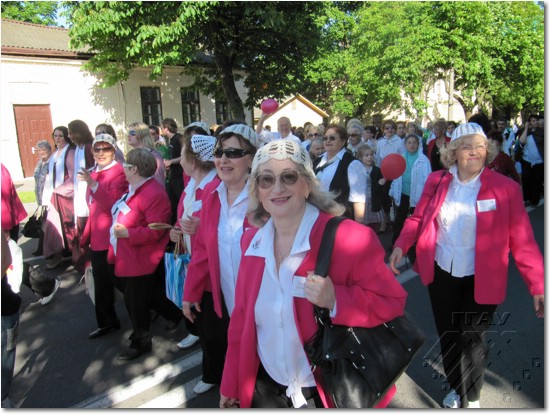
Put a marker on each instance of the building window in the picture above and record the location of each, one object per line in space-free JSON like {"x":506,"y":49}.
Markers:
{"x":190,"y":106}
{"x":222,"y":112}
{"x":151,"y":107}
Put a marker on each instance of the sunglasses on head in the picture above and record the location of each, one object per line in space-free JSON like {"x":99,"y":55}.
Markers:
{"x":266,"y":181}
{"x":329,"y":138}
{"x":230,"y":152}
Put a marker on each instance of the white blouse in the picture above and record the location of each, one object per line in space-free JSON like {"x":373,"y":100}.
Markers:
{"x":357,"y":189}
{"x":456,"y":235}
{"x":230,"y":230}
{"x":279,"y":346}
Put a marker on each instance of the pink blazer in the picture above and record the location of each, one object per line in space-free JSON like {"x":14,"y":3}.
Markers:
{"x":203,"y":273}
{"x":13,"y":211}
{"x":112,"y":185}
{"x":498,"y":232}
{"x":142,"y":251}
{"x":367,"y":295}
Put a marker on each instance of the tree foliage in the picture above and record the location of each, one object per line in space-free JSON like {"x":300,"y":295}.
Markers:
{"x":217,"y":42}
{"x":385,"y":56}
{"x":39,"y":12}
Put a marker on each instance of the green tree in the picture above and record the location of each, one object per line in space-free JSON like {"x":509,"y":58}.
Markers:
{"x":261,"y":43}
{"x":384,"y":56}
{"x":39,"y":12}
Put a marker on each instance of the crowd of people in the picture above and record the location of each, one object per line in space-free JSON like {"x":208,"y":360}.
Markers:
{"x":250,"y":207}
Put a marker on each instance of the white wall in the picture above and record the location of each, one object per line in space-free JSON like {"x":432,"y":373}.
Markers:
{"x":75,"y":94}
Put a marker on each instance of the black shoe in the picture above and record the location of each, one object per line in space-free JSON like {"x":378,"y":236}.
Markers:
{"x":171,"y":326}
{"x":133,"y":353}
{"x":103,"y":331}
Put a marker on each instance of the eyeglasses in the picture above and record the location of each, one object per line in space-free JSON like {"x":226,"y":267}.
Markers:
{"x":287,"y":177}
{"x":230,"y":152}
{"x":313,"y":135}
{"x":132,"y":133}
{"x":354,"y":135}
{"x":103,"y":149}
{"x":469,"y":148}
{"x":127,"y":165}
{"x":388,"y":127}
{"x":329,"y":138}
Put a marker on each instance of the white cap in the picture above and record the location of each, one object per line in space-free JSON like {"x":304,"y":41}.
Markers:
{"x":283,"y":149}
{"x":469,"y":128}
{"x":105,"y":138}
{"x":203,"y":145}
{"x":199,"y":124}
{"x":243,"y":130}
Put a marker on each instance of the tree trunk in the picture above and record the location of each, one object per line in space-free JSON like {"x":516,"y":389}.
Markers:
{"x":229,"y":89}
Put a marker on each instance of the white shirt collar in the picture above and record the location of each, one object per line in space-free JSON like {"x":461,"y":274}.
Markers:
{"x":222,"y":190}
{"x":472,"y":183}
{"x":262,"y":242}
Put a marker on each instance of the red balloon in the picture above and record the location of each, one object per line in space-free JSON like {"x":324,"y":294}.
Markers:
{"x":393,"y":166}
{"x":269,"y":106}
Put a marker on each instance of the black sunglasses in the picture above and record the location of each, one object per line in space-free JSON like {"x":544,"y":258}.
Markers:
{"x":104,"y":149}
{"x":230,"y":152}
{"x":287,"y":177}
{"x":329,"y":138}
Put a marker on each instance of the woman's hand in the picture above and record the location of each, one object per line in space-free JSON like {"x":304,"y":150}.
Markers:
{"x":84,"y":175}
{"x":120,"y":231}
{"x":176,"y":234}
{"x":395,"y":258}
{"x":382,"y":181}
{"x":187,"y":312}
{"x":539,"y":305}
{"x":189,"y":225}
{"x":226,"y":402}
{"x":320,"y":291}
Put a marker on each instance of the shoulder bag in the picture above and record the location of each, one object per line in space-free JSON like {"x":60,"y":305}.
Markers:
{"x":33,"y":226}
{"x":358,"y":365}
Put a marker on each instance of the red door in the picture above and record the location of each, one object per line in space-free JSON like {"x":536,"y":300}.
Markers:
{"x":33,"y":123}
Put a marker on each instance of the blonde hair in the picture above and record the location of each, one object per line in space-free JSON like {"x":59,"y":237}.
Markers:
{"x":448,"y":151}
{"x":143,"y":134}
{"x":361,"y":149}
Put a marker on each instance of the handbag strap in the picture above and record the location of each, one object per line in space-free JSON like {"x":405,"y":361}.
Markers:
{"x":327,"y":244}
{"x":323,"y":261}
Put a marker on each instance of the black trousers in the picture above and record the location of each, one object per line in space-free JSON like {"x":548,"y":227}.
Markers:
{"x":532,"y":179}
{"x":212,"y":333}
{"x":104,"y":290}
{"x":142,"y":293}
{"x":386,"y":200}
{"x":401,"y":214}
{"x":174,"y":188}
{"x":461,"y":324}
{"x":270,"y":394}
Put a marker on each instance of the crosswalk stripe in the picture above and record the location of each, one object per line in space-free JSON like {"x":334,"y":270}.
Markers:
{"x":174,"y":398}
{"x":142,"y":383}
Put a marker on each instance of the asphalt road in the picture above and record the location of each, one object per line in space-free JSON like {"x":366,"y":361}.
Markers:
{"x":57,"y":365}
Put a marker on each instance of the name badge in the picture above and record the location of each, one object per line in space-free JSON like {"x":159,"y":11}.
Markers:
{"x":486,"y":205}
{"x":123,"y":207}
{"x":298,"y":283}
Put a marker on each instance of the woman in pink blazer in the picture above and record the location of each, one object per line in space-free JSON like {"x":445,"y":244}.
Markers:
{"x":266,"y":365}
{"x":209,"y":289}
{"x":106,"y":184}
{"x":465,"y":225}
{"x":137,"y":250}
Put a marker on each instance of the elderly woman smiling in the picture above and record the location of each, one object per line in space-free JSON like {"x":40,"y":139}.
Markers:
{"x":463,"y":260}
{"x":266,"y":366}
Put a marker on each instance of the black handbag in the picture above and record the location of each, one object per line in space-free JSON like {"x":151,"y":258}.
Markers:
{"x":358,"y":365}
{"x":33,"y":226}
